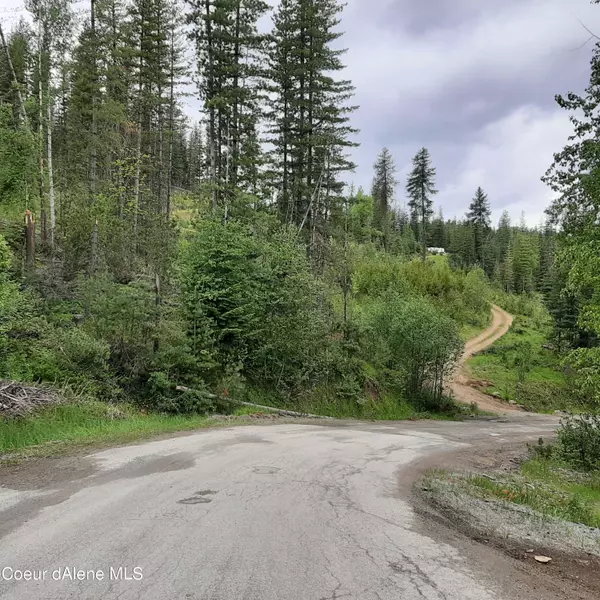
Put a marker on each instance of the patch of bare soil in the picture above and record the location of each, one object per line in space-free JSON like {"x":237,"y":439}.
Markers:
{"x":517,"y":532}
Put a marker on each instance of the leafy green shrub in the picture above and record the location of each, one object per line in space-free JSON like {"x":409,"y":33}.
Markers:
{"x":476,"y":295}
{"x":414,"y":339}
{"x":69,"y":355}
{"x":149,"y":350}
{"x":164,"y":395}
{"x":585,"y":379}
{"x":579,"y":439}
{"x":379,"y":273}
{"x":253,"y":304}
{"x":526,"y":305}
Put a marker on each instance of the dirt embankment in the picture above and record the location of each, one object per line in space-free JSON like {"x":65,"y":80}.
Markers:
{"x":501,"y":322}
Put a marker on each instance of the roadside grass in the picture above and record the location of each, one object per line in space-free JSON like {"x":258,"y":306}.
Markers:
{"x":72,"y":426}
{"x":518,"y":367}
{"x":390,"y":406}
{"x":547,"y":486}
{"x":65,"y":427}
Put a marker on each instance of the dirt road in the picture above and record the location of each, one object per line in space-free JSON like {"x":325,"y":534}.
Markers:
{"x":501,"y":322}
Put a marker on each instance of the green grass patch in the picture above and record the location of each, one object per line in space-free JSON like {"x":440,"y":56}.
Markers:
{"x":389,"y":406}
{"x":64,"y":427}
{"x":549,"y":488}
{"x":521,"y":367}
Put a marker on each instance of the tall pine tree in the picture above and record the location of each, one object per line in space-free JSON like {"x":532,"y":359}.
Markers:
{"x":383,"y":191}
{"x":479,"y":217}
{"x":309,"y":120}
{"x":420,"y":189}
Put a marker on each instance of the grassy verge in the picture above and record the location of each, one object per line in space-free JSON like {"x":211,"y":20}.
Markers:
{"x":548,"y":487}
{"x":521,"y":367}
{"x":70,"y":427}
{"x":388,"y":406}
{"x":67,"y":427}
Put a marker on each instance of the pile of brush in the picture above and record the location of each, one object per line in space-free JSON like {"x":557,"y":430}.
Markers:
{"x":17,"y":399}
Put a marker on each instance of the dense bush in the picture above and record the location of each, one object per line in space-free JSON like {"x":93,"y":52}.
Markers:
{"x":585,"y":380}
{"x":411,"y":337}
{"x":526,"y":305}
{"x":579,"y":441}
{"x":463,"y":296}
{"x":254,"y":306}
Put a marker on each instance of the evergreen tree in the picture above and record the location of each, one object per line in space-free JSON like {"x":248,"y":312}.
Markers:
{"x":420,"y":188}
{"x":524,"y":263}
{"x":547,"y":252}
{"x":574,"y":177}
{"x":479,"y":217}
{"x":383,"y":191}
{"x":230,"y":56}
{"x":437,"y":236}
{"x":309,"y":116}
{"x":503,"y":236}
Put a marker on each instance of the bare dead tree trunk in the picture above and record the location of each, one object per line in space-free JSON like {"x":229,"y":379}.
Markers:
{"x":94,"y":157}
{"x":41,"y":135}
{"x":138,"y":161}
{"x":233,"y":169}
{"x":29,"y":240}
{"x":161,"y":132}
{"x":51,"y":197}
{"x":211,"y":109}
{"x":171,"y":123}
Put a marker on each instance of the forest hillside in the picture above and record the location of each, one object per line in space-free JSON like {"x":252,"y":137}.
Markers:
{"x":171,"y":265}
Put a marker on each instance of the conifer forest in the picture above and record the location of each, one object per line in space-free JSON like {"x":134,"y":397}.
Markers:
{"x":154,"y":262}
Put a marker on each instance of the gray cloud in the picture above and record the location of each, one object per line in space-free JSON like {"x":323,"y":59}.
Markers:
{"x":475,"y":83}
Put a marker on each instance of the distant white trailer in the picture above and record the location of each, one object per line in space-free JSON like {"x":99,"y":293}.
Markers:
{"x":436,"y":250}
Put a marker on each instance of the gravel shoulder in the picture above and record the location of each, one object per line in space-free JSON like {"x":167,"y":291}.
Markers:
{"x":444,"y":496}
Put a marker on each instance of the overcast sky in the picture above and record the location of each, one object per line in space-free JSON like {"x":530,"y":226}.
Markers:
{"x":472,"y":80}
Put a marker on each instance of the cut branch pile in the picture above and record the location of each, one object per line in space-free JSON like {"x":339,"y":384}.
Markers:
{"x":17,"y":400}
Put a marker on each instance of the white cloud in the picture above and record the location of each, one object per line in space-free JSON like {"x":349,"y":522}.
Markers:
{"x":507,"y":160}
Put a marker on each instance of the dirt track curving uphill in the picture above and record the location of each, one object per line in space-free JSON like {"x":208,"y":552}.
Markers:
{"x":501,"y":322}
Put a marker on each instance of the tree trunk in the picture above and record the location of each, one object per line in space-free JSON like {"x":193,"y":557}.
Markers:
{"x":138,"y":149}
{"x":233,"y":175}
{"x":41,"y":134}
{"x":94,"y":157}
{"x":29,"y":240}
{"x":171,"y":121}
{"x":14,"y":78}
{"x":211,"y":109}
{"x":51,"y":197}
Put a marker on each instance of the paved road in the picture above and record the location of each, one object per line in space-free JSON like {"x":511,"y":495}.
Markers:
{"x":280,"y":512}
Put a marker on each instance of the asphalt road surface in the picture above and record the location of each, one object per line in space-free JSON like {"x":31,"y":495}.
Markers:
{"x":279,"y":512}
